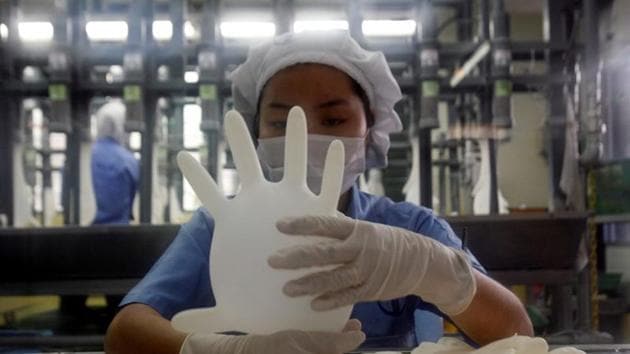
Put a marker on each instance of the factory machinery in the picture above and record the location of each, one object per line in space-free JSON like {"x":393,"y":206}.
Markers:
{"x":57,"y":84}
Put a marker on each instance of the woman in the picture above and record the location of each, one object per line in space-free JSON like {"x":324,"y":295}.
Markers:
{"x":401,"y":264}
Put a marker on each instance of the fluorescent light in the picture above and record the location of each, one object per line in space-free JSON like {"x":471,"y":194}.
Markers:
{"x":162,"y":30}
{"x":190,"y":31}
{"x":249,"y":29}
{"x":4,"y":31}
{"x":107,"y":30}
{"x":388,"y":28}
{"x":135,"y":140}
{"x":471,"y":63}
{"x":191,"y":77}
{"x":35,"y":31}
{"x":319,"y":25}
{"x":193,"y":136}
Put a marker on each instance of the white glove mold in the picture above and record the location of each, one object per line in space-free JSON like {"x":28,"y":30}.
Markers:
{"x":248,"y":292}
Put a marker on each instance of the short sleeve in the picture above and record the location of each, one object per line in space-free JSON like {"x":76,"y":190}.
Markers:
{"x":423,"y":221}
{"x":429,"y":224}
{"x":180,"y":279}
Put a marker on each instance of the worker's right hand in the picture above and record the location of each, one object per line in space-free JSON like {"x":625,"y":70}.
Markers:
{"x":284,"y":342}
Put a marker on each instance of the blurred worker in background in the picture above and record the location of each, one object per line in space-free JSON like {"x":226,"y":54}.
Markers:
{"x":115,"y":171}
{"x":401,"y":266}
{"x":115,"y":177}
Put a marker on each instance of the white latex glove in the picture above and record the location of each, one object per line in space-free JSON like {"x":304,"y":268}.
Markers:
{"x":284,"y":342}
{"x":511,"y":345}
{"x":377,"y":262}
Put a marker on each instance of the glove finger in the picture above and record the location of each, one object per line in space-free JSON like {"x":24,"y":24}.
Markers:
{"x":329,"y":301}
{"x":319,"y":254}
{"x":324,"y":282}
{"x":243,"y":150}
{"x":352,"y":325}
{"x":317,"y":225}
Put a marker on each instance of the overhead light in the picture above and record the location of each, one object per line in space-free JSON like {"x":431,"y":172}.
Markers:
{"x":162,"y":30}
{"x":4,"y":31}
{"x":191,"y":77}
{"x":319,"y":25}
{"x":190,"y":31}
{"x":35,"y":31}
{"x":249,"y":29}
{"x":388,"y":28}
{"x":471,"y":63}
{"x":135,"y":140}
{"x":111,"y":31}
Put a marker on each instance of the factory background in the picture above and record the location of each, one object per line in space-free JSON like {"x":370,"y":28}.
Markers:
{"x":515,"y":122}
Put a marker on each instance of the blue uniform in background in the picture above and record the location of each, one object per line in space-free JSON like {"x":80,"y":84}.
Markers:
{"x":179,"y":280}
{"x":115,"y":177}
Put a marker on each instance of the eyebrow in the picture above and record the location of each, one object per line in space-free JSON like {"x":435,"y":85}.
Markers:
{"x":326,"y":104}
{"x":333,"y":102}
{"x":279,"y":105}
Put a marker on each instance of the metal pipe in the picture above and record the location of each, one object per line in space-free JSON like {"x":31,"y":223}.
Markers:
{"x":6,"y":125}
{"x":442,"y":175}
{"x":209,"y":14}
{"x":501,"y":62}
{"x":427,"y":65}
{"x":592,"y":120}
{"x":555,"y":33}
{"x":146,"y":166}
{"x":486,"y":109}
{"x":454,"y":158}
{"x":283,"y":15}
{"x":210,"y":78}
{"x":146,"y":103}
{"x":176,"y":14}
{"x":426,"y":175}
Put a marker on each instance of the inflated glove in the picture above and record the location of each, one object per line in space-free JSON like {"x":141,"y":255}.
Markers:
{"x":284,"y":342}
{"x":376,"y":262}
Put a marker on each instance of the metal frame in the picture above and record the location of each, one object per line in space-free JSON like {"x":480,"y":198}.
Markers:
{"x":82,"y":259}
{"x":178,"y":54}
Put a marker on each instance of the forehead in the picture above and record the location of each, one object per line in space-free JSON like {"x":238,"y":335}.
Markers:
{"x":308,"y":79}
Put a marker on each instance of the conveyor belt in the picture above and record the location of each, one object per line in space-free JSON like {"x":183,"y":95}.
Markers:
{"x":79,"y":260}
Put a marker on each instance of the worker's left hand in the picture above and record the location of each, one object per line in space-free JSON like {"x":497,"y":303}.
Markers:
{"x":376,"y":262}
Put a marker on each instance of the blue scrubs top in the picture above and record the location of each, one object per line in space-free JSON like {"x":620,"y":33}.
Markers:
{"x":179,"y":280}
{"x":115,"y":176}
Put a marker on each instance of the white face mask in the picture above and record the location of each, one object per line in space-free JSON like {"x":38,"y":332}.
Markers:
{"x":271,"y":156}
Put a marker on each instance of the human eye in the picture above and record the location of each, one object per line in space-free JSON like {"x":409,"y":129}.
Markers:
{"x":277,"y":124}
{"x":332,"y":122}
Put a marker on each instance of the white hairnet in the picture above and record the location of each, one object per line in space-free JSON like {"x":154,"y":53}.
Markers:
{"x":368,"y":68}
{"x":110,"y":121}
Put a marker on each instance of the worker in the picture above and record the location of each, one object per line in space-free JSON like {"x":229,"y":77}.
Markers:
{"x":115,"y":171}
{"x":115,"y":176}
{"x":401,"y":264}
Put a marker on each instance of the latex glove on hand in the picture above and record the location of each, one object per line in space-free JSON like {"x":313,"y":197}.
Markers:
{"x":377,"y":262}
{"x":284,"y":342}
